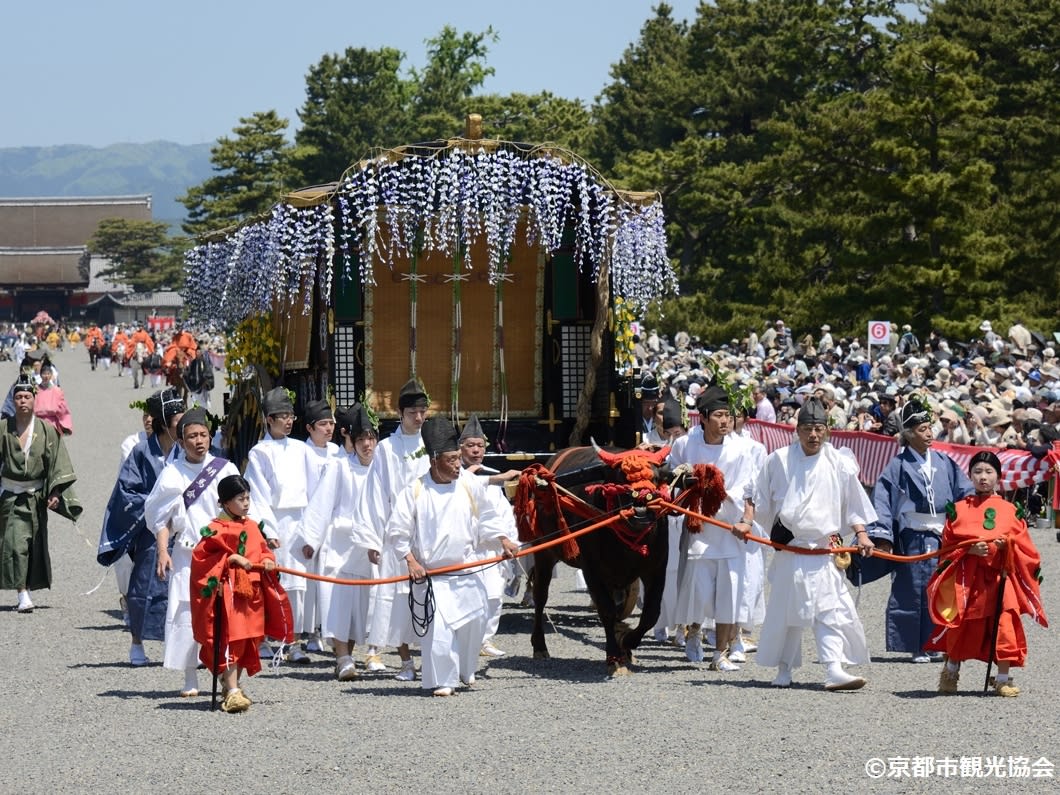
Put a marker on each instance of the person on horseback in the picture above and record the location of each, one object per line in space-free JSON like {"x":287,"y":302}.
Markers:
{"x":94,"y":343}
{"x":122,"y":349}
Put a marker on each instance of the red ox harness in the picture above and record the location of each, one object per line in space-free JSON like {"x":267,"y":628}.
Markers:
{"x":638,"y":468}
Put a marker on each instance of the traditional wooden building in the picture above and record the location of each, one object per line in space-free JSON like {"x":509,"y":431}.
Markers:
{"x":44,"y":260}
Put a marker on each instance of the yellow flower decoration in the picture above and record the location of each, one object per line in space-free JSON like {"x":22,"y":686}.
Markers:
{"x":252,"y":343}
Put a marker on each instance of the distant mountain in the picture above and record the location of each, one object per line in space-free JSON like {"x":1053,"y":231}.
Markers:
{"x":163,"y":169}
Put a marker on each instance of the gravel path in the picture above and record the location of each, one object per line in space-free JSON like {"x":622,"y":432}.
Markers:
{"x":77,"y":718}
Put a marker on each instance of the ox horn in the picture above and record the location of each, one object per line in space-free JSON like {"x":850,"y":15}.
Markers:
{"x":608,"y":458}
{"x":658,"y":458}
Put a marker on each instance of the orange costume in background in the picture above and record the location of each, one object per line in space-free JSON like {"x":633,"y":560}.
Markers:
{"x":142,"y":336}
{"x":254,"y":603}
{"x":962,"y":593}
{"x":93,"y":333}
{"x":181,"y":350}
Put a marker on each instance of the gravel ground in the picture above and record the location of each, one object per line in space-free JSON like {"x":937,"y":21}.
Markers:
{"x":78,"y":718}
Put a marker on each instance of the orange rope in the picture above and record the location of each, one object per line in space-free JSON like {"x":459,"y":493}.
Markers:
{"x":876,"y":553}
{"x":671,"y":507}
{"x":475,"y":564}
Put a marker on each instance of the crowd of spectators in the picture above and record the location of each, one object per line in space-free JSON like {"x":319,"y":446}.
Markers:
{"x":994,"y":390}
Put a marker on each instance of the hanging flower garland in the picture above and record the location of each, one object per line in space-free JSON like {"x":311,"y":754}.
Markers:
{"x":434,"y":200}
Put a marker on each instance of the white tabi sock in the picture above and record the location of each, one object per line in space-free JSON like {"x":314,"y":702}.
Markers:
{"x":835,"y":670}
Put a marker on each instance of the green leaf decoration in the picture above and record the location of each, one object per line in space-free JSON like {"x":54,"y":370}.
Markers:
{"x":1021,"y":512}
{"x":951,"y":511}
{"x":990,"y":514}
{"x":989,"y":524}
{"x":739,"y":396}
{"x":366,"y":400}
{"x":206,"y":532}
{"x":211,"y":586}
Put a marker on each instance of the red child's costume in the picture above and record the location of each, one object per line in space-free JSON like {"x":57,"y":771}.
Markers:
{"x":963,"y":591}
{"x":255,"y":605}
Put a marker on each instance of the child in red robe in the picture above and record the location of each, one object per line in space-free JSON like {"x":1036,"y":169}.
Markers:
{"x":254,"y":603}
{"x":964,"y":590}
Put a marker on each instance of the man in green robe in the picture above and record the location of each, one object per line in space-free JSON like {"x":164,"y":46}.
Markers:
{"x":35,"y":475}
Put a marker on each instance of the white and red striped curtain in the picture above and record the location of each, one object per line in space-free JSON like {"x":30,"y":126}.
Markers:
{"x":1019,"y":468}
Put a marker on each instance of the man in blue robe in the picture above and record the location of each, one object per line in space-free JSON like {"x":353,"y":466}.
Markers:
{"x":125,"y":530}
{"x":910,"y":499}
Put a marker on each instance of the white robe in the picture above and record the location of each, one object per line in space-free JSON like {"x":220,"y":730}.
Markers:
{"x":327,"y":456}
{"x":328,"y":524}
{"x":814,"y":497}
{"x":444,"y":524}
{"x":164,"y":508}
{"x":279,"y":472}
{"x":493,"y":575}
{"x":399,"y":460}
{"x":753,"y":605}
{"x":697,"y":589}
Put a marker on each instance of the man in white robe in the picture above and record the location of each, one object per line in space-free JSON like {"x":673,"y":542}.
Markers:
{"x":711,"y":583}
{"x":444,"y":519}
{"x":320,"y":427}
{"x":753,"y":605}
{"x":399,"y":459}
{"x":279,"y":469}
{"x":472,"y":452}
{"x":675,"y":434}
{"x":182,"y":502}
{"x":813,"y":491}
{"x":328,"y":527}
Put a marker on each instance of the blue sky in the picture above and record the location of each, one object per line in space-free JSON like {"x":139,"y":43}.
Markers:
{"x":99,"y":72}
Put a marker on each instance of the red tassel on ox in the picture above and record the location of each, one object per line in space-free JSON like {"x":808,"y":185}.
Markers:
{"x":533,"y":505}
{"x":708,"y":493}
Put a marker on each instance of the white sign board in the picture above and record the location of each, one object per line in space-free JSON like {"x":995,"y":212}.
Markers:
{"x":879,"y":332}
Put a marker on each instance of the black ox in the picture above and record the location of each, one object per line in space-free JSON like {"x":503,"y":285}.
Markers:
{"x":613,"y":558}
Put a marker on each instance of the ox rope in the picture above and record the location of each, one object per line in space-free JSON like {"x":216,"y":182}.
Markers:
{"x":422,"y":611}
